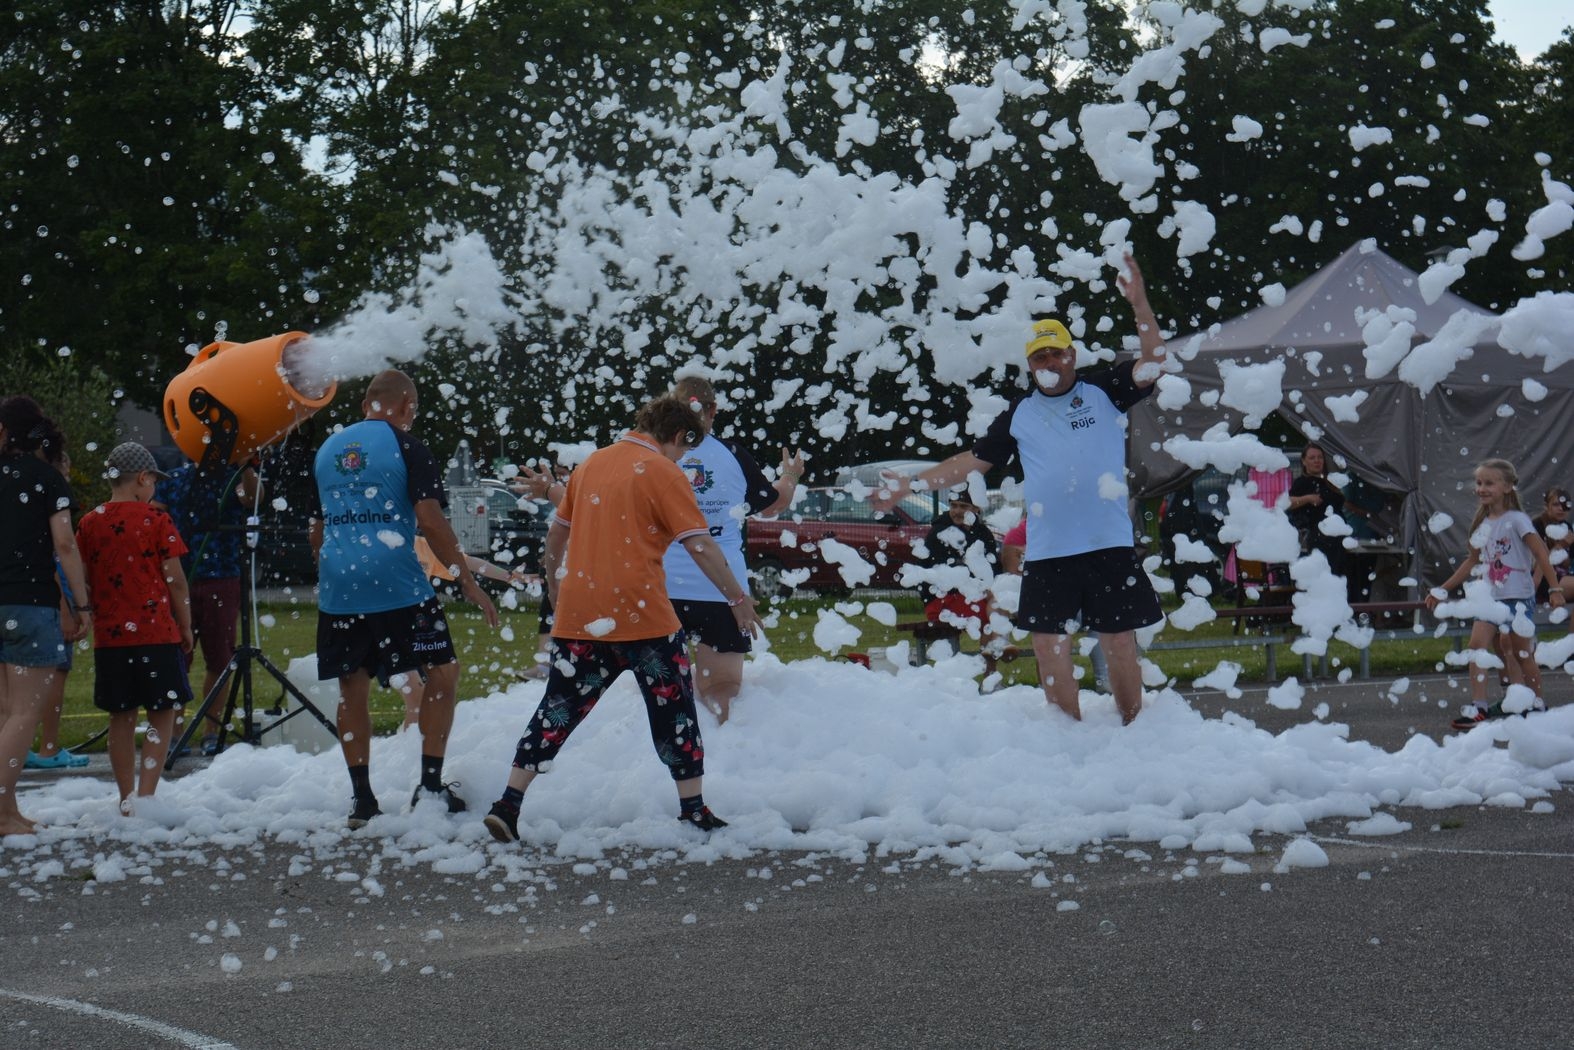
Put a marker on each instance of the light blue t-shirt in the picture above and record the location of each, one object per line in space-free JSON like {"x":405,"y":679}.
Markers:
{"x":1072,"y":448}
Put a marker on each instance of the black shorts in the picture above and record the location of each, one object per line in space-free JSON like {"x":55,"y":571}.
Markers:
{"x":713,"y":624}
{"x":128,"y":677}
{"x":1105,"y":591}
{"x":383,"y":643}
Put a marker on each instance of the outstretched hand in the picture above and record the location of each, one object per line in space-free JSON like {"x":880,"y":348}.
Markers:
{"x":892,"y":489}
{"x":792,"y":463}
{"x":532,"y":481}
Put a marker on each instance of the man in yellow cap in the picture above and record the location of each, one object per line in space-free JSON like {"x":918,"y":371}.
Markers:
{"x":1068,"y":434}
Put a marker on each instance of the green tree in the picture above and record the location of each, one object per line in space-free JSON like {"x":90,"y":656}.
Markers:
{"x":145,"y":210}
{"x":76,"y":396}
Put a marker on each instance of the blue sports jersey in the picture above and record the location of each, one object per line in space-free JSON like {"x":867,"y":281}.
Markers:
{"x":369,"y":478}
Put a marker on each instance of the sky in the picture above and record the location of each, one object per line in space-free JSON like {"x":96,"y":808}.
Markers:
{"x":1531,"y":25}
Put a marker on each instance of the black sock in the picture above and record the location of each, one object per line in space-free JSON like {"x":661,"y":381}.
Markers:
{"x":513,"y":797}
{"x":689,"y":807}
{"x":361,"y":783}
{"x":432,"y":772}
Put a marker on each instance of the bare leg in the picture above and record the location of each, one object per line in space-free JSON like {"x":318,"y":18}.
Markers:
{"x":1522,"y":657}
{"x":717,"y":679}
{"x":437,"y":708}
{"x":355,"y":719}
{"x":1509,"y":674}
{"x":1057,"y":672}
{"x":690,"y":787}
{"x":155,"y":746}
{"x":520,"y":779}
{"x":411,"y":689}
{"x":123,"y":750}
{"x":1483,"y":638}
{"x":1125,"y":675}
{"x":22,"y":692}
{"x":49,"y":717}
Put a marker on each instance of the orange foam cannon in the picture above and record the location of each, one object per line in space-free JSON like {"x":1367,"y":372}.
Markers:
{"x":236,"y":398}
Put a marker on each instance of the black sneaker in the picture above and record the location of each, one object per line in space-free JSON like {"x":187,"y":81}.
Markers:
{"x":363,"y":812}
{"x":1475,"y":714}
{"x":210,"y":745}
{"x":455,"y":803}
{"x":704,"y":819}
{"x":502,"y":820}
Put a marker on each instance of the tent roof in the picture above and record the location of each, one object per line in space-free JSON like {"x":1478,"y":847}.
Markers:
{"x":1320,"y":312}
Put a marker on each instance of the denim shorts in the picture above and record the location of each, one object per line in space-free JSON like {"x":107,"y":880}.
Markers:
{"x":1515,"y":607}
{"x":30,"y":636}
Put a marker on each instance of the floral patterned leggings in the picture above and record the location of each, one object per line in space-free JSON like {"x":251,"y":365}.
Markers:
{"x":581,"y":671}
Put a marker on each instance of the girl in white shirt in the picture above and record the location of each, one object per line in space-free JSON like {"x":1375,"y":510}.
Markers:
{"x":1505,"y":549}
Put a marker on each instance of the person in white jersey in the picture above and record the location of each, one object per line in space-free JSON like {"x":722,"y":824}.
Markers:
{"x":729,"y":486}
{"x":1069,"y":435}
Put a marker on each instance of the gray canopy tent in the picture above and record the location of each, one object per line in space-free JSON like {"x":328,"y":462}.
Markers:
{"x":1420,"y":449}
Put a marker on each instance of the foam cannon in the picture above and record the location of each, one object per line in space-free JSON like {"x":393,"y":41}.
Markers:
{"x":236,"y":398}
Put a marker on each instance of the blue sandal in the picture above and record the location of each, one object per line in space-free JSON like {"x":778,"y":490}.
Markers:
{"x":59,"y":760}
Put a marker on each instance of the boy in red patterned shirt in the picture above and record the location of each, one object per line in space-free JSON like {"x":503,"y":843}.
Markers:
{"x":141,"y":618}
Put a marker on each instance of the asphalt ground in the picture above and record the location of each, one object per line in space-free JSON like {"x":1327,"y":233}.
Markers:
{"x":1455,"y":933}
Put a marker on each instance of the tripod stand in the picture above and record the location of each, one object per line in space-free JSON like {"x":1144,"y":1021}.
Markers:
{"x":237,"y":674}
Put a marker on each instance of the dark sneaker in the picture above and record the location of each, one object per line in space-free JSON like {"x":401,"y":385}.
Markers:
{"x":502,"y":820}
{"x":454,"y":802}
{"x":1475,"y":714}
{"x":705,"y":820}
{"x":210,"y":745}
{"x":363,"y":812}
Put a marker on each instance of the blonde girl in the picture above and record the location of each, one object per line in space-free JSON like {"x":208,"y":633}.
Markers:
{"x":1505,"y":549}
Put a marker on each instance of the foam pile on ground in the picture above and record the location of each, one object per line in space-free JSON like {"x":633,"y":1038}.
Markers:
{"x":827,"y":756}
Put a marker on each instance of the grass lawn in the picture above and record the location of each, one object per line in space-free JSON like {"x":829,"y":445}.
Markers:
{"x":493,"y":660}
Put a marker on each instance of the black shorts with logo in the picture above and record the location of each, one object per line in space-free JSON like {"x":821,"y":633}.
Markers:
{"x":1105,"y":591}
{"x":383,"y":643}
{"x":713,"y":624}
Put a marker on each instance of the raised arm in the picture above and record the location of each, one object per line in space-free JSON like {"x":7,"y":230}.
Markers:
{"x":786,"y":481}
{"x":1150,"y":360}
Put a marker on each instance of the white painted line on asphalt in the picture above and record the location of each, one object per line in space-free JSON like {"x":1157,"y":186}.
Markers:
{"x":1441,"y":849}
{"x":195,"y":1040}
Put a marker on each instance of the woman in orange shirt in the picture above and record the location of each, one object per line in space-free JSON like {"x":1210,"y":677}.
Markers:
{"x":603,"y":565}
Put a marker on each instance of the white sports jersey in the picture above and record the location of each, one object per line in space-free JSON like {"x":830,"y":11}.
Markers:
{"x":728,"y":486}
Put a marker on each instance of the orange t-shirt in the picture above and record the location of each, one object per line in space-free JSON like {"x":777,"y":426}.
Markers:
{"x":624,"y":507}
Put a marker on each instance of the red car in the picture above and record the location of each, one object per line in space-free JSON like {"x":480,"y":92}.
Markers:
{"x":780,"y":550}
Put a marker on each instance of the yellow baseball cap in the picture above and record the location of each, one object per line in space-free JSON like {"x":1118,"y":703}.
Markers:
{"x":1048,"y":334}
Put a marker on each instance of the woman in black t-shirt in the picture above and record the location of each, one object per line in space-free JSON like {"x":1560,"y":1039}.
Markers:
{"x":35,"y":529}
{"x":1312,"y":497}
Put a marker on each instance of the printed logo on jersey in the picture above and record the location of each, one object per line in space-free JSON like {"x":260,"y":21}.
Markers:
{"x":698,"y":476}
{"x":1080,"y":415}
{"x":352,"y":460}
